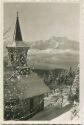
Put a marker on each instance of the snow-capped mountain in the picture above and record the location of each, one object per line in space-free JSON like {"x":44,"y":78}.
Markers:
{"x":56,"y":52}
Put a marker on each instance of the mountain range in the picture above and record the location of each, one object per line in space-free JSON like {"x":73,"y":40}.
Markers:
{"x":56,"y":52}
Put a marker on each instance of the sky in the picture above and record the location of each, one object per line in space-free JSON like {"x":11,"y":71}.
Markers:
{"x":51,"y":30}
{"x":41,"y":21}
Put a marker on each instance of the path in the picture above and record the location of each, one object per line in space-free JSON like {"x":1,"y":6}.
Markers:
{"x":51,"y":113}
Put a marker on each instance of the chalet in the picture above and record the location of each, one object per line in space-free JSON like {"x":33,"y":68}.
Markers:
{"x":23,"y":94}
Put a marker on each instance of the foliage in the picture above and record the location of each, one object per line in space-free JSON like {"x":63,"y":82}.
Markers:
{"x":75,"y":87}
{"x":74,"y":95}
{"x":61,"y":85}
{"x":69,"y":77}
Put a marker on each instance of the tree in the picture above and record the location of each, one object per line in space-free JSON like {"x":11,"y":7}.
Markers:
{"x":69,"y":78}
{"x":61,"y":85}
{"x":75,"y":86}
{"x":74,"y":97}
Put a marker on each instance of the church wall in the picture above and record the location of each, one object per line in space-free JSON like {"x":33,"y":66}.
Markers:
{"x":21,"y":110}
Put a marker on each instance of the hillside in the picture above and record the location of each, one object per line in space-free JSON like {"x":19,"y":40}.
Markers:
{"x":46,"y":72}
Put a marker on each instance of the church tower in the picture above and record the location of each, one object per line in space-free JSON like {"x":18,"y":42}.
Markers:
{"x":18,"y":50}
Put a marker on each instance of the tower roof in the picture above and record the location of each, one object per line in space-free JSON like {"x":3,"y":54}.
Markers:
{"x":17,"y":39}
{"x":18,"y":35}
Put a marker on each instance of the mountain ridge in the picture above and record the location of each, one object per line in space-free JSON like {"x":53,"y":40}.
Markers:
{"x":53,"y":53}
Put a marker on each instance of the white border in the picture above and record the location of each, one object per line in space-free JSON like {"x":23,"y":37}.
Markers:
{"x":81,"y":2}
{"x":82,"y":61}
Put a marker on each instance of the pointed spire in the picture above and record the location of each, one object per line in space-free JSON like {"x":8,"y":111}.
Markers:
{"x":18,"y":36}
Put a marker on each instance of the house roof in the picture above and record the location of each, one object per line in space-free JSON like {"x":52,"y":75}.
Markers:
{"x":24,"y":87}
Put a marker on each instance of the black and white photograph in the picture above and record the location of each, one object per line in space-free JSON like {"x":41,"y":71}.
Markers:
{"x":42,"y":124}
{"x":41,"y":65}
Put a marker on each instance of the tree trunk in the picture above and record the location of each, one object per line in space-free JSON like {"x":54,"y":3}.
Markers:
{"x":70,"y":89}
{"x":61,"y":98}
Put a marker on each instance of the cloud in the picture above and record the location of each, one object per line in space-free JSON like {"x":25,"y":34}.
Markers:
{"x":57,"y":52}
{"x":53,"y":53}
{"x":53,"y":58}
{"x":55,"y":43}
